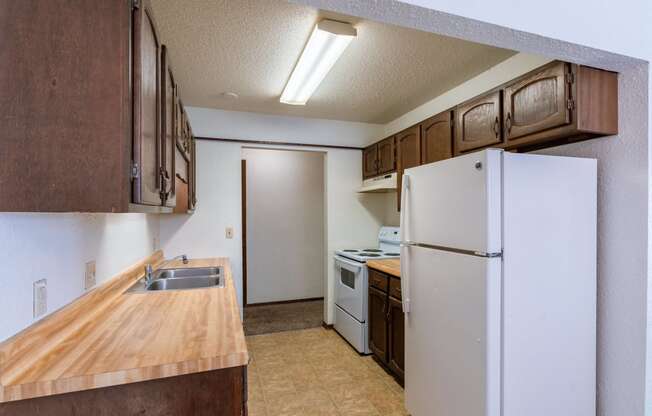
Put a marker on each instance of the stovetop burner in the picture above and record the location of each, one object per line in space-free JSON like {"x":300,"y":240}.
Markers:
{"x":369,"y":255}
{"x":350,"y":251}
{"x":392,"y":254}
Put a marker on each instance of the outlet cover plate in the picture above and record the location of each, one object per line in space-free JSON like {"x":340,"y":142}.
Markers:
{"x":89,"y":275}
{"x":40,"y":300}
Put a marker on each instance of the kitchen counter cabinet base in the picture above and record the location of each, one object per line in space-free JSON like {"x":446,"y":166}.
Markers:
{"x":386,"y":318}
{"x":215,"y":393}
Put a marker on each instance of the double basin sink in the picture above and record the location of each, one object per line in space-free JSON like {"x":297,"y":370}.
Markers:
{"x":181,"y":279}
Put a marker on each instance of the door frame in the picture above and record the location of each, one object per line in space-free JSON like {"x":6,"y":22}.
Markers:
{"x":243,"y":190}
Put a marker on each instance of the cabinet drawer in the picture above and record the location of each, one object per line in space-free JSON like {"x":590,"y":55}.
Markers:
{"x":378,"y":280}
{"x":395,"y":288}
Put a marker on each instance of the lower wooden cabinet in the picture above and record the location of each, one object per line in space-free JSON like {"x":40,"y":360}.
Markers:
{"x":378,"y":323}
{"x":396,"y":350}
{"x":387,"y":323}
{"x":214,"y":393}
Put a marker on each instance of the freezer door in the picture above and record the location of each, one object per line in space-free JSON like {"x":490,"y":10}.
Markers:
{"x":455,"y":203}
{"x":452,"y":334}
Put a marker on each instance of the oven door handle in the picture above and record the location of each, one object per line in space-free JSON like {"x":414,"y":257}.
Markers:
{"x":341,"y":262}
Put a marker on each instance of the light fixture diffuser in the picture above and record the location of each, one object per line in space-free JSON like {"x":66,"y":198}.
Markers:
{"x":326,"y":44}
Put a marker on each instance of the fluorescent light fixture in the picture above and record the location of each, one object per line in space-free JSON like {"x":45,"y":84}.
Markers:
{"x":327,"y":42}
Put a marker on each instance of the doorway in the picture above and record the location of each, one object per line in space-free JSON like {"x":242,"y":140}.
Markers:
{"x":283,"y":239}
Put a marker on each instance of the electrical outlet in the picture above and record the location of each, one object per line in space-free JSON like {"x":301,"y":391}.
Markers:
{"x":229,"y":232}
{"x":89,"y":275}
{"x":40,"y":300}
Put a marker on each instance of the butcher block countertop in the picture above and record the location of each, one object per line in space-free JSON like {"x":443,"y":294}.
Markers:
{"x":389,"y":266}
{"x":108,"y":337}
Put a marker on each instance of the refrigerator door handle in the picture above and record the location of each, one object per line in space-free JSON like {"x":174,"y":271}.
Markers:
{"x":405,"y":244}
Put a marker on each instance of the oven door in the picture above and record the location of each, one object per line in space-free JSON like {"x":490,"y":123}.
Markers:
{"x":351,"y":287}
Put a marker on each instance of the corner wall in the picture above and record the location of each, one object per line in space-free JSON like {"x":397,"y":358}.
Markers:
{"x":56,"y":247}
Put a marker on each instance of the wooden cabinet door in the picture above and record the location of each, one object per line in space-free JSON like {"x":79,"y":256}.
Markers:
{"x":378,"y":324}
{"x":370,"y":161}
{"x":408,"y":144}
{"x":396,"y":353}
{"x":437,"y":138}
{"x":192,"y":175}
{"x":147,"y":109}
{"x":386,"y":156}
{"x":167,"y":130}
{"x":477,"y":123}
{"x":537,"y":103}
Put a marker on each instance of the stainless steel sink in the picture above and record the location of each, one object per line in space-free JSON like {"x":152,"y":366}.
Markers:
{"x":181,"y":279}
{"x":188,"y":272}
{"x":194,"y":282}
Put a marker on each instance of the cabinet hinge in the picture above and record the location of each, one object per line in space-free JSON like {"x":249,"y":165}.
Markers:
{"x":135,"y":4}
{"x":135,"y":170}
{"x":570,"y":78}
{"x":570,"y":104}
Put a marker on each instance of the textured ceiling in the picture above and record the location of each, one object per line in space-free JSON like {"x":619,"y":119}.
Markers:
{"x":251,"y":46}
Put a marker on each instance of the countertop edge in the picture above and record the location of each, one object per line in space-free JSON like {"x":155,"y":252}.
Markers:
{"x":389,"y":266}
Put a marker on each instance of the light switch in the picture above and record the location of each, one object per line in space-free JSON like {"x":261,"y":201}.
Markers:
{"x":229,"y":232}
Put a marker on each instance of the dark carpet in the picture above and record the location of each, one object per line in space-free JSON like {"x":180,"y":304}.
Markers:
{"x":266,"y":319}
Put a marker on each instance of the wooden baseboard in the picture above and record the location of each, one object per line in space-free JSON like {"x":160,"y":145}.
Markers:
{"x":282,"y":302}
{"x":326,"y":326}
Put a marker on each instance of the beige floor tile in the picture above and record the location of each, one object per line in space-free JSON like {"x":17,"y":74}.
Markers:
{"x":256,"y":408}
{"x":314,"y":372}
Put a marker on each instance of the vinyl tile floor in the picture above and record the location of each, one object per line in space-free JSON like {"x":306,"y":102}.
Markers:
{"x":314,"y":372}
{"x":265,"y":319}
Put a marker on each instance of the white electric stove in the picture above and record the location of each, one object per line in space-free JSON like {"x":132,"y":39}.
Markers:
{"x":352,"y":286}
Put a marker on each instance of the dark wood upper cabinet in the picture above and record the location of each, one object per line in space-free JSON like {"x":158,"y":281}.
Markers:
{"x":378,"y":323}
{"x":538,"y":102}
{"x":386,"y":156}
{"x":168,"y":121}
{"x":66,"y":106}
{"x":478,"y":123}
{"x":89,"y":109}
{"x":148,"y":142}
{"x":557,"y":103}
{"x":408,"y":144}
{"x":396,"y":338}
{"x":370,"y":161}
{"x":437,"y":138}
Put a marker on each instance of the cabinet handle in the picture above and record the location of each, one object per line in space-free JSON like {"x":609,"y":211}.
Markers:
{"x":508,"y":123}
{"x":495,"y":127}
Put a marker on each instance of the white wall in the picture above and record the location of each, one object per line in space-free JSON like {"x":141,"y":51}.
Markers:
{"x":285,"y":225}
{"x":56,"y":247}
{"x":352,"y":219}
{"x":203,"y":234}
{"x":253,"y":126}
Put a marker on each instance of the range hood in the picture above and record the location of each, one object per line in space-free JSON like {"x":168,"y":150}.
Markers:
{"x":384,"y":183}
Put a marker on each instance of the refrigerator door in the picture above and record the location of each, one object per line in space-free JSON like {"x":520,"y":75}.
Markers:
{"x":452,"y":333}
{"x":455,"y":203}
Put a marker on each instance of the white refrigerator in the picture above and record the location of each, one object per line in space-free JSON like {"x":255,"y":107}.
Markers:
{"x":498,"y":274}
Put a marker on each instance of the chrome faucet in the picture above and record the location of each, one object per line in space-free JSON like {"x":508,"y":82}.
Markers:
{"x":149,"y":271}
